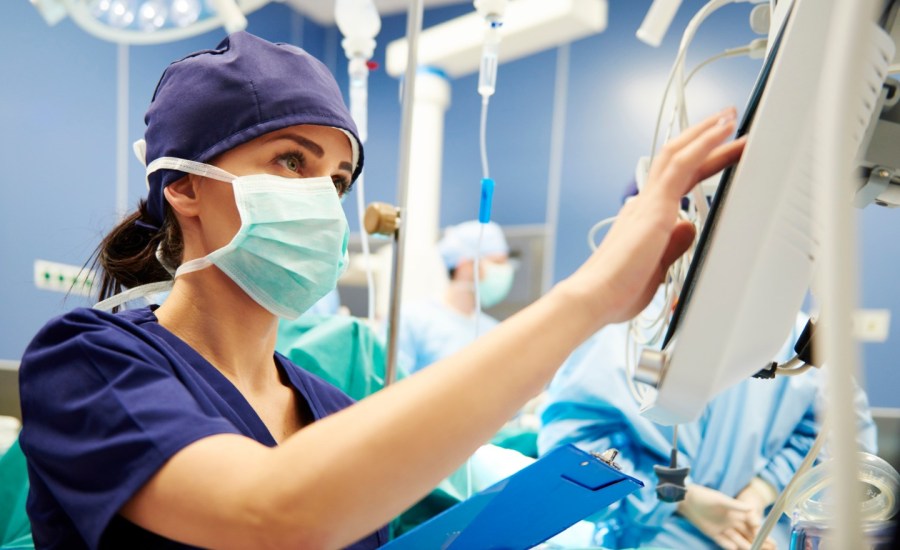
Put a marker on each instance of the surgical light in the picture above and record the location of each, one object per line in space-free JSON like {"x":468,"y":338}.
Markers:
{"x":152,"y":15}
{"x":185,"y":12}
{"x":121,"y":13}
{"x":99,"y":8}
{"x":149,"y":21}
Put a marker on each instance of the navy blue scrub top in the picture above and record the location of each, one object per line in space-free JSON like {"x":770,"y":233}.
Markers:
{"x":107,"y":399}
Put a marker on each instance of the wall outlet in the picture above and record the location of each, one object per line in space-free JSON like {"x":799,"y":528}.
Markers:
{"x":64,"y":278}
{"x":872,"y":325}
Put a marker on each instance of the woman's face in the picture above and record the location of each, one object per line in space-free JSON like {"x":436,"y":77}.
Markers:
{"x":303,"y":151}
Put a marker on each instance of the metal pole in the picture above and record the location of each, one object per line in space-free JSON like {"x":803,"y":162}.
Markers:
{"x":554,"y":186}
{"x":851,"y":29}
{"x":122,"y":130}
{"x":413,"y":29}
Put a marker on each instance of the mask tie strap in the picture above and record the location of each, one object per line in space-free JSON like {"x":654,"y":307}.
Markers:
{"x":191,"y":167}
{"x":132,"y":294}
{"x":194,"y":265}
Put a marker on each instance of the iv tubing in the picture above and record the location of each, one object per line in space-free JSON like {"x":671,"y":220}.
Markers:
{"x":485,"y":172}
{"x":778,"y":507}
{"x":359,"y":100}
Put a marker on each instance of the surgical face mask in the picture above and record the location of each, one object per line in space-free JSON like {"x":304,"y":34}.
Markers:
{"x":497,"y":282}
{"x":291,"y":247}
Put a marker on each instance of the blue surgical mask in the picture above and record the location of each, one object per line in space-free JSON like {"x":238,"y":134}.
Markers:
{"x":496,"y":284}
{"x":291,"y":247}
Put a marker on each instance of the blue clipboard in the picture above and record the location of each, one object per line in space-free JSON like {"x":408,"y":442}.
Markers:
{"x":527,"y":508}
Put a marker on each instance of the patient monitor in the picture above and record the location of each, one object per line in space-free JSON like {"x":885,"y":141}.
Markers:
{"x":756,"y":253}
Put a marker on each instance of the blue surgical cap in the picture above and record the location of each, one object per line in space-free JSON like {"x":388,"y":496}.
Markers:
{"x":460,"y":242}
{"x":214,"y":100}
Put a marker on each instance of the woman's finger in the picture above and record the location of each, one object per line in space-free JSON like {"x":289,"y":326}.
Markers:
{"x":722,"y":157}
{"x":678,"y":174}
{"x":692,"y":156}
{"x":685,"y":138}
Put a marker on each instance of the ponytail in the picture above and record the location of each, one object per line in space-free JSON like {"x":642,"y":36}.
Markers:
{"x":127,"y":255}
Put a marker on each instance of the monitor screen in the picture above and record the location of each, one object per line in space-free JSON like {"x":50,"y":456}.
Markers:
{"x":755,"y":256}
{"x":721,"y":192}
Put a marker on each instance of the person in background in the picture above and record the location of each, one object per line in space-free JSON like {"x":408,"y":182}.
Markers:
{"x":742,"y":451}
{"x":433,"y":329}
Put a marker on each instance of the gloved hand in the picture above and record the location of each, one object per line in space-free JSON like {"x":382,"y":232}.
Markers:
{"x":727,"y":521}
{"x":759,"y":495}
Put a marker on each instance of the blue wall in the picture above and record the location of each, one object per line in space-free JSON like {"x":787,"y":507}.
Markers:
{"x":57,"y":146}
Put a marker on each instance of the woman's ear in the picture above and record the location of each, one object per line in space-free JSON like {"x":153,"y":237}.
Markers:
{"x":183,"y":195}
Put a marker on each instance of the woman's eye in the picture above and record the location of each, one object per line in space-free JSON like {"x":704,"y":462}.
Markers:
{"x":292,"y":161}
{"x":342,"y":185}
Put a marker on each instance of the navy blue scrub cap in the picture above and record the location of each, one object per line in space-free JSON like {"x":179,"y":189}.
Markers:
{"x":214,"y":100}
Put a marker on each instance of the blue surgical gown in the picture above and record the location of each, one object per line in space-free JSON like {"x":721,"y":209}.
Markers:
{"x":107,"y":399}
{"x":431,"y":331}
{"x":758,"y":428}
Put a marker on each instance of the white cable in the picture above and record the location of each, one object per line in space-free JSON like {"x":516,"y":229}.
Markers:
{"x":778,"y":507}
{"x":793,"y":372}
{"x":732,"y":52}
{"x":755,"y":50}
{"x":677,"y":70}
{"x":592,"y":232}
{"x":648,"y":330}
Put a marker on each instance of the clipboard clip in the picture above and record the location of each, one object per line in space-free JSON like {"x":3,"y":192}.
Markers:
{"x":608,"y":457}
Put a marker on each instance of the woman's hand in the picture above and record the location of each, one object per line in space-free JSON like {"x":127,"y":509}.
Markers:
{"x":619,"y":279}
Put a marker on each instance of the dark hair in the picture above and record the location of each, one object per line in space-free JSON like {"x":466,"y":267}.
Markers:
{"x":127,"y":255}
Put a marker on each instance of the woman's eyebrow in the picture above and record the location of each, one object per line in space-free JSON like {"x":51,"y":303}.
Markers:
{"x":306,"y":143}
{"x":310,"y":145}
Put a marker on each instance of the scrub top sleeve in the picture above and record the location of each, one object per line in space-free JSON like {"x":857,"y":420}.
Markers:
{"x":783,"y":465}
{"x":103,"y":410}
{"x":867,"y":434}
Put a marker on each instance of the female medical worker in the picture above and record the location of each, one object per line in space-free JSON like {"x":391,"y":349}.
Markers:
{"x":179,"y":425}
{"x":742,"y":451}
